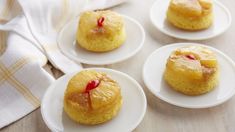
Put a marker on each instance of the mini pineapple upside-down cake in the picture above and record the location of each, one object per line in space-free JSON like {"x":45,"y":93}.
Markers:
{"x":190,"y":14}
{"x":192,"y":70}
{"x":100,"y":31}
{"x":92,"y":98}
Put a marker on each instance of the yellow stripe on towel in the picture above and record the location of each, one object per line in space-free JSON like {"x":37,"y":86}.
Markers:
{"x":3,"y":40}
{"x":7,"y":74}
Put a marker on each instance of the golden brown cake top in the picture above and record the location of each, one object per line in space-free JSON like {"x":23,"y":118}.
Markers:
{"x":192,"y":8}
{"x":100,"y":23}
{"x":195,"y":61}
{"x":91,"y":89}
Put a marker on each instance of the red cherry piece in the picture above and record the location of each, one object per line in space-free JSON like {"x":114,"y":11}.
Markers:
{"x":92,"y":85}
{"x":191,"y":57}
{"x":100,"y":22}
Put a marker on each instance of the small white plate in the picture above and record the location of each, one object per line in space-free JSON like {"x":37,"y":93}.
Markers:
{"x":153,"y":77}
{"x":134,"y":42}
{"x":222,"y":21}
{"x":130,"y":115}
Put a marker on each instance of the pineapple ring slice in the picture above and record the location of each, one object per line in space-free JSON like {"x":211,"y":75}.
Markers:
{"x":193,"y":61}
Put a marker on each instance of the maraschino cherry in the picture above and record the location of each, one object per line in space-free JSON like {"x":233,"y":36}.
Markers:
{"x":100,"y":22}
{"x":191,"y":57}
{"x":92,"y":85}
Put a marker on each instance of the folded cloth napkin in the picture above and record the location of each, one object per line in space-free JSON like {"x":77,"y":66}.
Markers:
{"x":28,"y":32}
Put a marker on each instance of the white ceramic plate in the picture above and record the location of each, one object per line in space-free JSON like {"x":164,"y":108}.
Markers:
{"x":222,"y":21}
{"x":134,"y":42}
{"x":130,"y":115}
{"x":153,"y":78}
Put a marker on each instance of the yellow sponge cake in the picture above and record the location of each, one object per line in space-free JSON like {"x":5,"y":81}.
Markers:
{"x":190,"y":14}
{"x":192,"y":70}
{"x":100,"y":31}
{"x":92,"y":98}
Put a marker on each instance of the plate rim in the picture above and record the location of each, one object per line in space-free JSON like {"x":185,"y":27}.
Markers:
{"x":132,"y":80}
{"x":134,"y":52}
{"x":175,"y":103}
{"x":192,"y":38}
